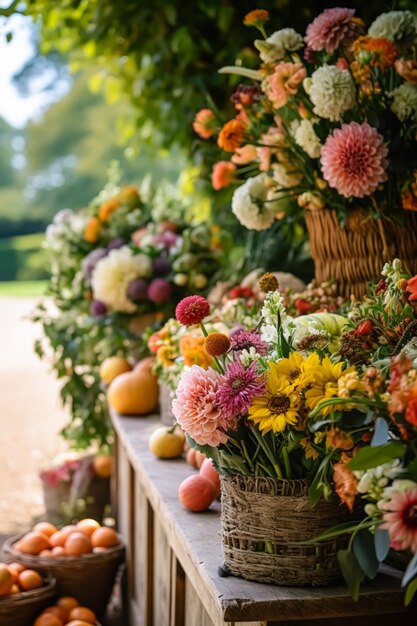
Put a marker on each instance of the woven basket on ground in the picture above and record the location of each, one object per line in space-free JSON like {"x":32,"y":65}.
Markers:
{"x":89,"y":577}
{"x":354,"y":254}
{"x":21,"y":609}
{"x":165,"y":405}
{"x":264,"y":524}
{"x":62,"y":507}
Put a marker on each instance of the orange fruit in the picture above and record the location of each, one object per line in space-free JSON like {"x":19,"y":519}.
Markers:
{"x":33,"y":543}
{"x":58,"y":612}
{"x":67,"y":603}
{"x":15,"y":588}
{"x":6,"y":579}
{"x":67,"y":530}
{"x":46,"y":528}
{"x":45,"y":553}
{"x":78,"y":622}
{"x":58,"y":539}
{"x":15,"y":569}
{"x":46,"y":619}
{"x":113,"y":366}
{"x":77,"y":543}
{"x":87,"y":526}
{"x":58,"y":551}
{"x":104,"y":537}
{"x":29,"y":579}
{"x":102,"y":465}
{"x":83,"y":614}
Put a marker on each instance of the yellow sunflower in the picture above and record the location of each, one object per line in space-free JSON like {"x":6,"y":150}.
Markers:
{"x":325,"y":384}
{"x":278,"y":406}
{"x":295,"y":371}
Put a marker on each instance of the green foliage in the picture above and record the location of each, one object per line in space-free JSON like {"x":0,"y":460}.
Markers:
{"x":22,"y":258}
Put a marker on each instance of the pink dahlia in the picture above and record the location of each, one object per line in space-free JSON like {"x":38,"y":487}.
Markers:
{"x":196,"y":407}
{"x":353,"y":160}
{"x":331,"y":28}
{"x":237,"y":388}
{"x":400,"y":519}
{"x":245,"y":340}
{"x":192,"y":310}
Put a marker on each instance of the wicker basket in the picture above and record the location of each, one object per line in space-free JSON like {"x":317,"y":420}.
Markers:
{"x":165,"y":405}
{"x":265,"y":521}
{"x":61,"y":507}
{"x":354,"y":254}
{"x":21,"y":609}
{"x":89,"y":577}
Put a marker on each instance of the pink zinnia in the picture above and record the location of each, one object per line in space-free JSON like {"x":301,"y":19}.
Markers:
{"x":223,"y":174}
{"x":196,"y":407}
{"x":353,"y":160}
{"x":400,"y":519}
{"x":245,"y":340}
{"x":237,"y":388}
{"x":284,"y":82}
{"x":192,"y":310}
{"x":331,"y":28}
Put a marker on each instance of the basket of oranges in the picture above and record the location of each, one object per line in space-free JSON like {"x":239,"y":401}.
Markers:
{"x":23,"y":593}
{"x":84,"y":558}
{"x":67,"y":611}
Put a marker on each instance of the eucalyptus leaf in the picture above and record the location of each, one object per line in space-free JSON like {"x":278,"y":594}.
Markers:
{"x":381,"y":432}
{"x":364,"y":550}
{"x":410,"y":572}
{"x":382,"y":543}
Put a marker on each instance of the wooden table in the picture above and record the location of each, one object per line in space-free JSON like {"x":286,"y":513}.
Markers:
{"x":173,"y":556}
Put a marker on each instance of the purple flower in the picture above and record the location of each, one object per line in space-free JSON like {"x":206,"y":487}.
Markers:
{"x":167,"y":239}
{"x":137,"y":289}
{"x":90,"y":261}
{"x":161,"y":266}
{"x":97,"y":307}
{"x":237,"y":388}
{"x":114,"y":244}
{"x":244,"y":340}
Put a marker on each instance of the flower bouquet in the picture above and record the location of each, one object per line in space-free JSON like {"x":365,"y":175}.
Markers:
{"x":118,"y":266}
{"x":284,"y":415}
{"x":327,"y":129}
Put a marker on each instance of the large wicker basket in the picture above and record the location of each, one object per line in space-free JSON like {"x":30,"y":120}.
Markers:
{"x":21,"y":609}
{"x":264,"y":524}
{"x":354,"y":254}
{"x":89,"y":577}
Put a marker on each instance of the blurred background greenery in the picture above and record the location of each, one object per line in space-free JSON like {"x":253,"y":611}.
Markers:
{"x":133,"y":75}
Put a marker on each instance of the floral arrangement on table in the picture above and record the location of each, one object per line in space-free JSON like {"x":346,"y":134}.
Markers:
{"x":338,"y":411}
{"x":118,"y":266}
{"x":329,"y":120}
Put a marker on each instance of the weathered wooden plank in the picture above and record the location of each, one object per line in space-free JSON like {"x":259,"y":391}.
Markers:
{"x":177,"y":593}
{"x":195,"y":613}
{"x":143,"y":563}
{"x":162,"y":556}
{"x":195,"y":540}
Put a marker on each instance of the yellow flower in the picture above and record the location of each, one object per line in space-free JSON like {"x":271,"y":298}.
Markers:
{"x":164,"y":356}
{"x":192,"y":349}
{"x":309,"y":449}
{"x":278,"y":406}
{"x":325,"y":385}
{"x":296,"y":371}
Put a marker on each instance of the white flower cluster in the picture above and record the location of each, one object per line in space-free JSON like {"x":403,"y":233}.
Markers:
{"x":113,"y":273}
{"x":404,"y":103}
{"x":394,"y":25}
{"x":373,"y":484}
{"x":332,"y":91}
{"x":252,"y":205}
{"x":276,"y":45}
{"x":306,"y":138}
{"x":274,"y":317}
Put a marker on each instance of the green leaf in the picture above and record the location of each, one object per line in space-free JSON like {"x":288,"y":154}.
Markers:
{"x":382,"y":543}
{"x":410,"y":572}
{"x":335,"y":531}
{"x":410,"y":591}
{"x":381,"y":432}
{"x":351,"y":571}
{"x":364,"y":550}
{"x":370,"y":457}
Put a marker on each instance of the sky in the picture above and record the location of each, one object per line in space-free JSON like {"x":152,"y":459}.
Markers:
{"x":15,"y":109}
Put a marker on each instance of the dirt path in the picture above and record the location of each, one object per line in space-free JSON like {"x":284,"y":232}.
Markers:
{"x":30,"y":416}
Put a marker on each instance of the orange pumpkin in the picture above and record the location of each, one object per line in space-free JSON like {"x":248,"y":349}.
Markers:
{"x":196,"y":493}
{"x":134,"y":393}
{"x":208,"y":470}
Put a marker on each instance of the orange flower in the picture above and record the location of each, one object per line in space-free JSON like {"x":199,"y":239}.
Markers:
{"x":129,"y":194}
{"x":244,"y":155}
{"x":409,"y":201}
{"x":223,"y":174}
{"x":407,"y":70}
{"x":107,"y":209}
{"x":284,"y":82}
{"x":376,"y":51}
{"x":345,"y":482}
{"x":92,"y":230}
{"x":192,"y":349}
{"x":231,"y":135}
{"x":164,"y":356}
{"x":256,"y":17}
{"x":204,"y":123}
{"x":412,"y":288}
{"x":216,"y":344}
{"x":411,"y":409}
{"x":337,"y":438}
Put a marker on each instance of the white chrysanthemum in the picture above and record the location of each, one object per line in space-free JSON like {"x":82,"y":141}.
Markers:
{"x":285,"y":175}
{"x":395,"y":26}
{"x":404,"y":103}
{"x":332,"y":91}
{"x":276,"y":45}
{"x":305,"y":137}
{"x":112,"y":275}
{"x":250,"y":206}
